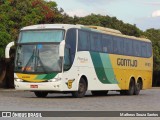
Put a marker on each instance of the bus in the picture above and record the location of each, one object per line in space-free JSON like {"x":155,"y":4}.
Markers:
{"x":76,"y":58}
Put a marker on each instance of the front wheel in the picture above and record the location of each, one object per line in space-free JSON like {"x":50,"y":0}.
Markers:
{"x":81,"y":89}
{"x":41,"y":94}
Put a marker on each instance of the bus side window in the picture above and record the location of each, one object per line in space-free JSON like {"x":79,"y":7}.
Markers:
{"x":149,"y":49}
{"x":107,"y":44}
{"x":118,"y":45}
{"x":92,"y":42}
{"x":144,"y":49}
{"x":98,"y":43}
{"x":95,"y":42}
{"x":67,"y":59}
{"x":128,"y":47}
{"x":71,"y":41}
{"x":83,"y":41}
{"x":137,"y":48}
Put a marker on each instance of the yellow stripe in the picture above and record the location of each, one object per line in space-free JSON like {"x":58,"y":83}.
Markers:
{"x":29,"y":77}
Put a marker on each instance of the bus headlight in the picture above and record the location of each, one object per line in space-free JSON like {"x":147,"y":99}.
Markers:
{"x":54,"y":80}
{"x":18,"y":80}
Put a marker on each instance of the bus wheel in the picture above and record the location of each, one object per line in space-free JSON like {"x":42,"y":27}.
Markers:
{"x":131,"y":87}
{"x":81,"y":89}
{"x":99,"y":93}
{"x":41,"y":94}
{"x":137,"y":88}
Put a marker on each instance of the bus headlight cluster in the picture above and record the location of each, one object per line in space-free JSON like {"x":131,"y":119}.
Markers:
{"x":18,"y":80}
{"x":54,"y":80}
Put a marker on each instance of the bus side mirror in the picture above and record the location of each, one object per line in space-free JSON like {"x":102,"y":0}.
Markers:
{"x":61,"y":48}
{"x":7,"y":50}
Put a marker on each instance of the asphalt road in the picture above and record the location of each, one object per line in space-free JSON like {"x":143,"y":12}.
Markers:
{"x":22,"y":100}
{"x":148,"y":100}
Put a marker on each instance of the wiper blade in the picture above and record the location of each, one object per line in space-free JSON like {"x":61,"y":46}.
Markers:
{"x":31,"y":58}
{"x":40,"y":61}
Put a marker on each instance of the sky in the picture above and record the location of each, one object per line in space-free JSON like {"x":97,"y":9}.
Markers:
{"x":144,"y":13}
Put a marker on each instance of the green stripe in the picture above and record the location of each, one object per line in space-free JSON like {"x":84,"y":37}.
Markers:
{"x":103,"y":68}
{"x":50,"y":76}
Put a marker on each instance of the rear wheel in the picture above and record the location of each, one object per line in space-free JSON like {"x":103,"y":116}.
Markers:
{"x":138,"y":87}
{"x":99,"y":93}
{"x":41,"y":94}
{"x":131,"y":89}
{"x":81,"y":89}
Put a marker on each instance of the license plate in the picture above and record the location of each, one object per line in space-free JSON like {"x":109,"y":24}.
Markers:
{"x":33,"y":86}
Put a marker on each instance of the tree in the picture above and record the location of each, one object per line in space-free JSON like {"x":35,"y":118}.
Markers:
{"x":15,"y":14}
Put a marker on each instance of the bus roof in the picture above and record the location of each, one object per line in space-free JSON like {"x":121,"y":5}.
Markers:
{"x":115,"y":33}
{"x":91,"y":28}
{"x":51,"y":26}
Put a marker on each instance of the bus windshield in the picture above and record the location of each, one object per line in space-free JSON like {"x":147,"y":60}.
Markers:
{"x":29,"y":36}
{"x":38,"y":58}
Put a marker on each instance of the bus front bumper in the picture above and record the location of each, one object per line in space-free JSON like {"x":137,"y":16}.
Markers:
{"x":43,"y":86}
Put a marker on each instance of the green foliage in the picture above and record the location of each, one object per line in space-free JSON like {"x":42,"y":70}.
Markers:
{"x":154,"y":36}
{"x":15,"y":14}
{"x":104,"y":21}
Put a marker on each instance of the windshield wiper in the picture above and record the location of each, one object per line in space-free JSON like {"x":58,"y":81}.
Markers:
{"x":40,"y":61}
{"x":31,"y":58}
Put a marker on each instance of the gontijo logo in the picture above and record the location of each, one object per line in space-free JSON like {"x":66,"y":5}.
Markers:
{"x":127,"y":62}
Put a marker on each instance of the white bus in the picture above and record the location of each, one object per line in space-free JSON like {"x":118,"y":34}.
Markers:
{"x":75,"y":58}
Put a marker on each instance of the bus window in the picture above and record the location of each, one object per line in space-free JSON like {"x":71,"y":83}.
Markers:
{"x":128,"y":47}
{"x":107,"y":43}
{"x":71,"y":41}
{"x":83,"y":41}
{"x":95,"y":40}
{"x":137,"y":48}
{"x":144,"y":49}
{"x":149,"y":49}
{"x":118,"y":45}
{"x":67,"y":60}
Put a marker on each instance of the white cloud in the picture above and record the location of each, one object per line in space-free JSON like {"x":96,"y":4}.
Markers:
{"x":156,"y":13}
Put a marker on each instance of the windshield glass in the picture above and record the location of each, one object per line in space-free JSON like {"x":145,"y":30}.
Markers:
{"x":41,"y":36}
{"x":37,"y":58}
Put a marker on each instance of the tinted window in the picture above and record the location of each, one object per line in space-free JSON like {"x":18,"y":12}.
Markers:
{"x":137,"y":48}
{"x":128,"y":47}
{"x":149,"y":49}
{"x":118,"y":45}
{"x":41,"y":36}
{"x":71,"y":42}
{"x":83,"y":43}
{"x":107,"y":43}
{"x":95,"y":41}
{"x":144,"y":49}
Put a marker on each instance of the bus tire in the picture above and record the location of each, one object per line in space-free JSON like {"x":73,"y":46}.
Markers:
{"x":41,"y":94}
{"x":131,"y":89}
{"x":82,"y":88}
{"x":137,"y":88}
{"x":99,"y":93}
